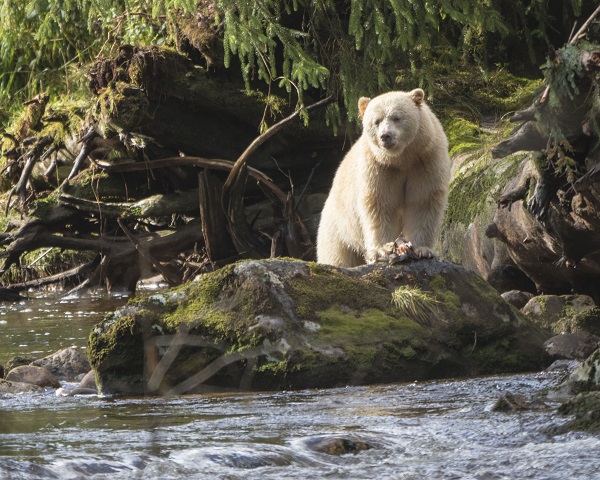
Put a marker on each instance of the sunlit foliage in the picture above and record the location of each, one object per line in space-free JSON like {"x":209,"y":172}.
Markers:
{"x":345,"y":47}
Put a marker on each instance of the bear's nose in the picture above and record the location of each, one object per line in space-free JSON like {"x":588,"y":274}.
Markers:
{"x":387,"y":140}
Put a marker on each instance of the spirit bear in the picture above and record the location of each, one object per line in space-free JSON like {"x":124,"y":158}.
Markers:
{"x":392,"y":183}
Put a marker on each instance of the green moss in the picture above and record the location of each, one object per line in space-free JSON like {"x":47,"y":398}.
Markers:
{"x":586,"y":321}
{"x":216,"y":305}
{"x":489,"y":294}
{"x":494,"y":356}
{"x":473,"y":188}
{"x":483,"y":93}
{"x":110,"y":337}
{"x":506,"y":92}
{"x":55,"y":260}
{"x":376,"y":277}
{"x":438,"y":283}
{"x":463,"y":135}
{"x":276,"y":368}
{"x":44,"y":206}
{"x":347,"y":327}
{"x":121,"y":107}
{"x":586,"y":409}
{"x":445,"y":295}
{"x":325,"y":286}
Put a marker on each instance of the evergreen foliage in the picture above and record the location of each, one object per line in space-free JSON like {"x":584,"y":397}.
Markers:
{"x":41,"y":39}
{"x":346,"y":47}
{"x":369,"y":46}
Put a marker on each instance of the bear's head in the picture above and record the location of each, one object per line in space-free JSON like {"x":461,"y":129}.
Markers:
{"x":392,"y":120}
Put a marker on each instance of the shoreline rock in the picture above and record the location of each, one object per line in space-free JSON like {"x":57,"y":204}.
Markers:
{"x":286,"y":324}
{"x":13,"y":388}
{"x":33,"y":375}
{"x":66,"y":364}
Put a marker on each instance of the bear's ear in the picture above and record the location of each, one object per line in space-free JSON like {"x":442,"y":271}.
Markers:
{"x":417,"y":95}
{"x":362,"y":106}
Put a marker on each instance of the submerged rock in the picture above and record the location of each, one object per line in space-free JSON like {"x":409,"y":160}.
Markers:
{"x":12,"y":388}
{"x":509,"y":402}
{"x":337,"y":445}
{"x":284,"y":324}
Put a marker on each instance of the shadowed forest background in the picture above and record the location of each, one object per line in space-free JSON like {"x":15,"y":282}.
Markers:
{"x":173,"y":137}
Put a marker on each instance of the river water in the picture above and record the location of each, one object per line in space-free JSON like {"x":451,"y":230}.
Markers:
{"x":418,"y":431}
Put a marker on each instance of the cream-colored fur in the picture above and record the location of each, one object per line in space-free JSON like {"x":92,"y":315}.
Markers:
{"x":392,"y":183}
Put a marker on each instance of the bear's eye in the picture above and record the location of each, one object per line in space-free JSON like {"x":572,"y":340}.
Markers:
{"x":396,"y":118}
{"x":377,"y":121}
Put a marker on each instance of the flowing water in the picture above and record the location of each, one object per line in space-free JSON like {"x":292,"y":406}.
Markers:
{"x":424,"y":430}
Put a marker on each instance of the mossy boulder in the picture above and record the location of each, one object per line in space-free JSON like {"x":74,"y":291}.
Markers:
{"x":586,"y":377}
{"x":585,"y":410}
{"x":476,"y":185}
{"x":564,"y":313}
{"x":287,"y":324}
{"x":582,"y":388}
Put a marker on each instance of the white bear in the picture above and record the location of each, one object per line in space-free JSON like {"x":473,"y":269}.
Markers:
{"x":392,"y":183}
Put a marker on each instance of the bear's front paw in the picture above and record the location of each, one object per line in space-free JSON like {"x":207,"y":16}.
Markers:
{"x":391,"y":252}
{"x":381,"y":254}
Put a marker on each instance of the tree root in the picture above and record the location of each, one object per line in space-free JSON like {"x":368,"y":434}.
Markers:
{"x":137,"y":224}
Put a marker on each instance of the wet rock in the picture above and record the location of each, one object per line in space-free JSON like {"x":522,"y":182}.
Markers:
{"x":573,"y":346}
{"x":586,"y":409}
{"x":510,"y":402}
{"x":88,"y":381}
{"x":564,"y":313}
{"x":17,"y":361}
{"x":65,"y":364}
{"x":34,"y":375}
{"x":283,"y":324}
{"x":337,"y":445}
{"x":10,"y":295}
{"x":566,"y":366}
{"x":75,"y":391}
{"x":586,"y":377}
{"x":517,"y":298}
{"x":11,"y":388}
